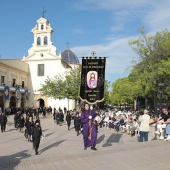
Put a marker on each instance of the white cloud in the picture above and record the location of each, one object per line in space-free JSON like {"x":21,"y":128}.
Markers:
{"x":117,"y":28}
{"x":119,"y":57}
{"x":115,"y":4}
{"x":154,"y":15}
{"x":159,"y":17}
{"x":118,"y":53}
{"x":78,"y":30}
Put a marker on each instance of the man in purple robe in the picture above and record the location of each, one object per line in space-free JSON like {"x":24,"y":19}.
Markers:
{"x":89,"y":127}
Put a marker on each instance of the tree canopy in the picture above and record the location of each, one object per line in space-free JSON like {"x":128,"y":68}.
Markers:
{"x":62,"y":85}
{"x":153,"y":67}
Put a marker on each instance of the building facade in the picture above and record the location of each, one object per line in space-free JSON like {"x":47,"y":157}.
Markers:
{"x":14,"y":76}
{"x":41,"y":62}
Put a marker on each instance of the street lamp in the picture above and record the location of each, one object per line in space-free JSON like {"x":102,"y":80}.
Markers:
{"x":161,"y":85}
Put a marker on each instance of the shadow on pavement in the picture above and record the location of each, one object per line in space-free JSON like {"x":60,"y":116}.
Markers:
{"x":12,"y":161}
{"x":100,"y":139}
{"x":113,"y":138}
{"x":10,"y":130}
{"x":51,"y":146}
{"x":49,"y":134}
{"x":10,"y":124}
{"x":44,"y":130}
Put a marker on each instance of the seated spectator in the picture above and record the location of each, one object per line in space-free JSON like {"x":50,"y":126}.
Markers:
{"x":129,"y":123}
{"x":101,"y":121}
{"x":167,"y":131}
{"x":120,"y":123}
{"x":106,"y":120}
{"x":110,"y":123}
{"x":134,"y":127}
{"x":162,"y":122}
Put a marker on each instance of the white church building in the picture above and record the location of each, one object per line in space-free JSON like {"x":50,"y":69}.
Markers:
{"x":28,"y":74}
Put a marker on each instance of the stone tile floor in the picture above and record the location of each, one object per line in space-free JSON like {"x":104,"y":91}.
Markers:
{"x":63,"y":149}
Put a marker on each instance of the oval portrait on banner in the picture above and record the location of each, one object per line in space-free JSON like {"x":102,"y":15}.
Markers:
{"x":17,"y":93}
{"x":92,"y":77}
{"x":6,"y":93}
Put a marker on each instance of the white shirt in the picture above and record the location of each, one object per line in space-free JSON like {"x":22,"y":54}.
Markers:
{"x":144,"y":122}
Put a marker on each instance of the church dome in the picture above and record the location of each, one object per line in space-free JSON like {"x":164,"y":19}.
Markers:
{"x":69,"y":57}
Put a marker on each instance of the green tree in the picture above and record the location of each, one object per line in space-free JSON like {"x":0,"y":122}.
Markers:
{"x":107,"y":92}
{"x":62,"y":85}
{"x":153,"y":66}
{"x":153,"y":51}
{"x":72,"y":84}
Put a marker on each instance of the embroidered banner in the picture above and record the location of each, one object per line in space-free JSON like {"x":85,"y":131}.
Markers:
{"x":17,"y":93}
{"x":6,"y":93}
{"x":26,"y":94}
{"x":92,"y":80}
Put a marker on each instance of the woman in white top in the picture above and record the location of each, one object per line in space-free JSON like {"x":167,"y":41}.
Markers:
{"x":144,"y":126}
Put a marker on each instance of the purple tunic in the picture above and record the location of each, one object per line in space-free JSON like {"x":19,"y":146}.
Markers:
{"x":85,"y":121}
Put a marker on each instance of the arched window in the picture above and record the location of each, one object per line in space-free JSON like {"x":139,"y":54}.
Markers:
{"x":38,"y":41}
{"x":45,"y":41}
{"x":42,"y":27}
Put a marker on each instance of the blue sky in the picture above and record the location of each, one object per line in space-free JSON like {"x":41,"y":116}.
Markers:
{"x":104,"y":26}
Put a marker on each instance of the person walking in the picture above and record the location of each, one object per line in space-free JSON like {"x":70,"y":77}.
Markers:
{"x":16,"y":118}
{"x":36,"y":136}
{"x":144,"y":126}
{"x":30,"y":127}
{"x":77,"y":123}
{"x":57,"y":117}
{"x":68,"y":119}
{"x":89,"y":127}
{"x":61,"y":117}
{"x":44,"y":112}
{"x":21,"y":123}
{"x":3,"y":120}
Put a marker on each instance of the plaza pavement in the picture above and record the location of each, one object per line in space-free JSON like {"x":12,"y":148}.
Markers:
{"x":63,"y":150}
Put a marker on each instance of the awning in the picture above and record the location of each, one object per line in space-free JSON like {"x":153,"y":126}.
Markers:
{"x":13,"y":89}
{"x":2,"y":88}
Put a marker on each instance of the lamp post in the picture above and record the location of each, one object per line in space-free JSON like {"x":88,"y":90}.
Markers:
{"x":155,"y":103}
{"x":161,"y":85}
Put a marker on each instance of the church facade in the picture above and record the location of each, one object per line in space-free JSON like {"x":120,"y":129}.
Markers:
{"x":41,"y":62}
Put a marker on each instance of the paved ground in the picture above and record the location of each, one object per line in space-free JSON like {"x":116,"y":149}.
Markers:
{"x":62,"y":149}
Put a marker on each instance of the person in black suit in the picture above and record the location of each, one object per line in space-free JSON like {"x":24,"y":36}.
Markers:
{"x":16,"y":119}
{"x":36,"y":136}
{"x":44,"y":112}
{"x":77,"y":123}
{"x":21,"y":122}
{"x":68,"y":119}
{"x":29,"y":128}
{"x":61,"y":117}
{"x":3,"y":120}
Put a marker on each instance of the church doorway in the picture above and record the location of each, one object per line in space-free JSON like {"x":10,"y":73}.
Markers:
{"x":41,"y":103}
{"x":1,"y":103}
{"x":12,"y":102}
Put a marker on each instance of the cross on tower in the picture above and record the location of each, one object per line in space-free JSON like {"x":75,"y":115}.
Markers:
{"x":43,"y":12}
{"x":67,"y":43}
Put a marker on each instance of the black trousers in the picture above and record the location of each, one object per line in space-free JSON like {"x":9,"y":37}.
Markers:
{"x":16,"y":124}
{"x":36,"y":144}
{"x":3,"y":127}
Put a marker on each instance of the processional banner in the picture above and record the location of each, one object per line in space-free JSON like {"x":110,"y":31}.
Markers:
{"x":92,"y":79}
